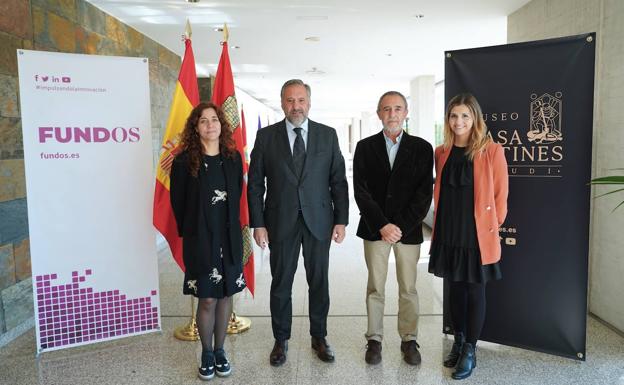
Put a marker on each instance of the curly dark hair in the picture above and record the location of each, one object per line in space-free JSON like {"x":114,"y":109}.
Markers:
{"x":190,"y":141}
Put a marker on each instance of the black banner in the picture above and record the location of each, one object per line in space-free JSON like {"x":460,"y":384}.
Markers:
{"x":537,"y":100}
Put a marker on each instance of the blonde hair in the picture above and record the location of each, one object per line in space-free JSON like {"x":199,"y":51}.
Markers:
{"x":479,"y":137}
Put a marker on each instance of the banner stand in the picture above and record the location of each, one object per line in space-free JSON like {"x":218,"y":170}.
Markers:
{"x":537,"y":101}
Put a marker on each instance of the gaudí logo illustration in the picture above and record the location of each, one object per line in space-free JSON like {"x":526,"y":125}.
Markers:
{"x":545,"y":119}
{"x":532,"y":135}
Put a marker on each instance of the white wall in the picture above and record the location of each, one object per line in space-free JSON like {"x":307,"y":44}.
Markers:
{"x":254,"y":108}
{"x":541,"y":19}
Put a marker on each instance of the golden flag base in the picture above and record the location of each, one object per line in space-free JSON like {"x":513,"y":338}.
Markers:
{"x":189,"y":331}
{"x":238,"y":325}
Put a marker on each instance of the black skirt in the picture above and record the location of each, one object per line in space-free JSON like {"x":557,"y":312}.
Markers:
{"x":214,"y":274}
{"x":454,"y":251}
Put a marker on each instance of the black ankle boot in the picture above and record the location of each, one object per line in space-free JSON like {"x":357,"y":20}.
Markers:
{"x":451,"y":359}
{"x":467,"y":362}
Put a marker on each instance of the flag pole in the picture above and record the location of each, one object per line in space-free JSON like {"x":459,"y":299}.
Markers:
{"x":187,"y":30}
{"x":189,"y":331}
{"x":236,"y":324}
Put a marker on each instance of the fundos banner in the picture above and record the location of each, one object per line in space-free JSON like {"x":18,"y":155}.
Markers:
{"x":88,"y":161}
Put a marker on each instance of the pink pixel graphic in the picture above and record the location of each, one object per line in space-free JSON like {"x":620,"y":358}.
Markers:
{"x":69,"y":313}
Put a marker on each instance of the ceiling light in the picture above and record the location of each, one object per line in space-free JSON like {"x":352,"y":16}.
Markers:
{"x":312,"y":18}
{"x":235,"y":47}
{"x":419,"y":16}
{"x":218,"y":29}
{"x":312,"y":38}
{"x":315,"y":71}
{"x":192,"y":1}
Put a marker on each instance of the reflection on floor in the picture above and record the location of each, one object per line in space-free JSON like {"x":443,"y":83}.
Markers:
{"x":159,"y":358}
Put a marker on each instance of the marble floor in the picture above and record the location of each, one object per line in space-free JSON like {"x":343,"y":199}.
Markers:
{"x":159,"y":358}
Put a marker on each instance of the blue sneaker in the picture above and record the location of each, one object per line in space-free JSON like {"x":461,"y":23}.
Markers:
{"x":207,"y":367}
{"x":221,"y":362}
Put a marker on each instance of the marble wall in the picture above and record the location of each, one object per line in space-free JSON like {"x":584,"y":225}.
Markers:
{"x":72,"y":26}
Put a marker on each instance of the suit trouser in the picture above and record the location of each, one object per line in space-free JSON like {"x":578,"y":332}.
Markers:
{"x":376,"y":254}
{"x":284,"y":258}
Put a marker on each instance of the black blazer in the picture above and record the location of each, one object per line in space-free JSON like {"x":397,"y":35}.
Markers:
{"x":322,"y":189}
{"x":401,"y":196}
{"x":184,"y":194}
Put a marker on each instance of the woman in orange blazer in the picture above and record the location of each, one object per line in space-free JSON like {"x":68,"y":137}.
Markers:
{"x":470,"y":195}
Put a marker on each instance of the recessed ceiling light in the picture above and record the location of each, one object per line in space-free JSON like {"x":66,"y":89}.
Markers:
{"x":218,"y":29}
{"x":419,"y":16}
{"x":388,"y":54}
{"x":312,"y":17}
{"x":192,"y":1}
{"x":315,"y":71}
{"x":235,"y":47}
{"x":312,"y":38}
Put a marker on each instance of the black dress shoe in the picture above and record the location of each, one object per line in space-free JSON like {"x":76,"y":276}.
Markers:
{"x":451,"y":359}
{"x":467,"y":362}
{"x":323,"y":350}
{"x":278,"y":354}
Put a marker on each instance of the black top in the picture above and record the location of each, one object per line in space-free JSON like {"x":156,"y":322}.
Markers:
{"x":213,"y":202}
{"x":455,"y":248}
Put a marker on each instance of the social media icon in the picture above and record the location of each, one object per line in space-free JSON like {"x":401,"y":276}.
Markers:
{"x":66,"y":79}
{"x":44,"y":78}
{"x":510,"y":241}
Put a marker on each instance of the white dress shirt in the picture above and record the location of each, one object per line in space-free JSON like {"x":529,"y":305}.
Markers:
{"x":392,"y":147}
{"x":292,"y":135}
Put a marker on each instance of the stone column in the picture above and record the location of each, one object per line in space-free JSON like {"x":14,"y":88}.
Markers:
{"x":421,"y":114}
{"x":370,"y":124}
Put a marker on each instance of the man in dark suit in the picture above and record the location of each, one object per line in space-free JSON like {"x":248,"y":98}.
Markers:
{"x":306,"y":205}
{"x":392,"y":179}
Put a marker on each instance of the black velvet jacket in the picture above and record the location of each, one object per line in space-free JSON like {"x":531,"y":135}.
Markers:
{"x":401,"y":196}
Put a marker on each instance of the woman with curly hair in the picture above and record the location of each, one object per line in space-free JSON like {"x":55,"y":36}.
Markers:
{"x":470,"y":195}
{"x":206,"y":184}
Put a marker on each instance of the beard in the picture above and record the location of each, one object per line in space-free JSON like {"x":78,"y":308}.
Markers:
{"x":395,"y":130}
{"x":297,"y":117}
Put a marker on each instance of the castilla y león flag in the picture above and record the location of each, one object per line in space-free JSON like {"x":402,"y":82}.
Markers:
{"x":223,"y":95}
{"x":185,"y":97}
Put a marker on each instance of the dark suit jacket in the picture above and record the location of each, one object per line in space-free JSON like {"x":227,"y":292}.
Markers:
{"x":401,"y":196}
{"x":184,"y":194}
{"x":322,"y":189}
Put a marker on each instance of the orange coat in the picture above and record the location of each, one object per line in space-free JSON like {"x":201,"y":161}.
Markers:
{"x":491,"y":187}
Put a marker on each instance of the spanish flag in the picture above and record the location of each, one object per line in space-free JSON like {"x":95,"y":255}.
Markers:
{"x":223,"y":95}
{"x":185,"y":97}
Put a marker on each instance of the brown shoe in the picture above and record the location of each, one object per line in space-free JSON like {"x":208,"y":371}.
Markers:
{"x":323,"y":350}
{"x":278,"y":354}
{"x":411,"y":355}
{"x":373,"y":352}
